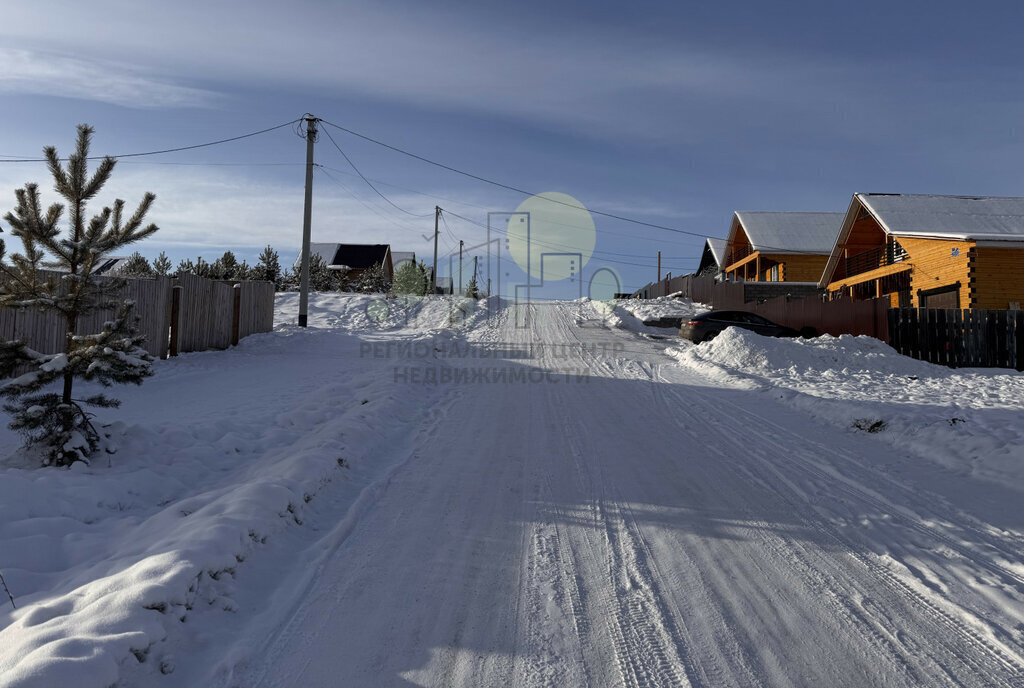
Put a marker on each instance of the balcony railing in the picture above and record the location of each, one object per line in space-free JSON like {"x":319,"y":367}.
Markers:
{"x":874,"y":259}
{"x":739,"y":253}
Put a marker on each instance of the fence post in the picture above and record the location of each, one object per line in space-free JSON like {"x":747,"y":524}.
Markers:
{"x":175,"y":316}
{"x":236,"y":314}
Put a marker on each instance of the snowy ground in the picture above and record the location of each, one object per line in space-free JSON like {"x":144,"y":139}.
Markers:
{"x":425,"y":494}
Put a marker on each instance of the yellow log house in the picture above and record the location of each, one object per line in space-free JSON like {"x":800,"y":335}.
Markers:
{"x":780,"y":246}
{"x":925,"y":251}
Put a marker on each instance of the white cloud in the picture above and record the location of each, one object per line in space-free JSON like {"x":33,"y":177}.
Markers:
{"x":42,"y":73}
{"x":590,"y":81}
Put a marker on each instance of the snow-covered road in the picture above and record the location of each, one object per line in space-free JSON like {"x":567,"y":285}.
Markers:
{"x":620,"y":520}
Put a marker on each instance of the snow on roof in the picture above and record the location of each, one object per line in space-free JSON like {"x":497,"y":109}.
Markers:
{"x":717,"y":248}
{"x":325,"y":251}
{"x":788,"y":232}
{"x":952,"y":217}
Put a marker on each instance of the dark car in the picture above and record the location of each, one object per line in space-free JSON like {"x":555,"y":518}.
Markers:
{"x":704,"y":326}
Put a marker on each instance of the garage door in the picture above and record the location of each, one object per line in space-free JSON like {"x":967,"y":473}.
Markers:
{"x":943,"y":297}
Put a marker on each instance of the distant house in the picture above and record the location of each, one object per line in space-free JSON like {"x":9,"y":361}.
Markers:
{"x":110,"y":266}
{"x":780,"y":246}
{"x":930,"y":251}
{"x":399,"y":257}
{"x":353,"y":259}
{"x":713,"y":257}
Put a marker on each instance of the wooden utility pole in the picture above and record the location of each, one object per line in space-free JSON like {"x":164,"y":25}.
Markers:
{"x":307,"y":214}
{"x":437,"y":215}
{"x":460,"y":266}
{"x":659,"y":266}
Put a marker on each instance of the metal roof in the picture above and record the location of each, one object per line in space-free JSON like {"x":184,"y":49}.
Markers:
{"x":398,"y":257}
{"x":948,"y":217}
{"x":788,"y":232}
{"x":717,"y":248}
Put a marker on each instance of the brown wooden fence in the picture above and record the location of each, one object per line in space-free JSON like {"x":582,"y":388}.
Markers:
{"x":211,"y":315}
{"x":959,"y":338}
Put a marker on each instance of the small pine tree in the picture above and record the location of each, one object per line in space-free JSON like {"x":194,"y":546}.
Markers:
{"x":471,"y":290}
{"x":200,"y":268}
{"x":374,"y":281}
{"x":54,"y":421}
{"x":321,"y":278}
{"x":269,"y":267}
{"x":243,"y":272}
{"x":225,"y":267}
{"x":185,"y":267}
{"x":411,"y":278}
{"x":136,"y":266}
{"x":162,"y":265}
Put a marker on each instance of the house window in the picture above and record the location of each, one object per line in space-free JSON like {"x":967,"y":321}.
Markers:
{"x":894,"y":252}
{"x":773,"y":274}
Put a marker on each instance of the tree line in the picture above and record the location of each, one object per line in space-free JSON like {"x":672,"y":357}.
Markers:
{"x":409,"y":277}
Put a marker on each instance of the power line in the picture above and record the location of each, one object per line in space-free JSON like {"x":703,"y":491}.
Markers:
{"x":516,"y":189}
{"x":171,"y":150}
{"x":509,"y":187}
{"x":368,"y":183}
{"x":552,"y":244}
{"x":369,"y":207}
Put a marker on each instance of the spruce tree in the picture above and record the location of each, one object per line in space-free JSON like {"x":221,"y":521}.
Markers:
{"x":41,"y":401}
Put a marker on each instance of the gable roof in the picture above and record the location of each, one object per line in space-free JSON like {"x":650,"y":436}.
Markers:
{"x":788,"y":232}
{"x":353,"y":256}
{"x":983,"y":218}
{"x":717,"y":248}
{"x":398,"y":257}
{"x":926,"y":216}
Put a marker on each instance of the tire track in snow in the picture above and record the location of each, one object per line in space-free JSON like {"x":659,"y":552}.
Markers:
{"x":1000,"y":659}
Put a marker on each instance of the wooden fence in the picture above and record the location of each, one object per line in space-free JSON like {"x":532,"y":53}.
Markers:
{"x":209,"y":315}
{"x":959,"y":338}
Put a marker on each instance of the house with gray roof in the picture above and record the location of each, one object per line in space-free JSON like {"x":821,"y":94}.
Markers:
{"x":928,"y":251}
{"x":780,"y":246}
{"x":712,"y":260}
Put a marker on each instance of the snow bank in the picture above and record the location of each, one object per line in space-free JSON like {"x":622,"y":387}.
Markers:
{"x":631,"y":314}
{"x":218,"y":452}
{"x":363,"y":312}
{"x":967,"y":420}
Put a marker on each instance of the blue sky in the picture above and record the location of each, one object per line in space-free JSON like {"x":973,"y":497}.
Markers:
{"x":673,"y":113}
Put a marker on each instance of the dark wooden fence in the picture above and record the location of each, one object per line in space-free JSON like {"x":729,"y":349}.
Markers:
{"x":959,"y":338}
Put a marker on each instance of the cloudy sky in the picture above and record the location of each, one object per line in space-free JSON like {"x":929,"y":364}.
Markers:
{"x":673,"y":113}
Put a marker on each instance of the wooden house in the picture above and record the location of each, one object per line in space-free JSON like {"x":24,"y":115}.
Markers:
{"x":713,"y":257}
{"x":925,"y":251}
{"x":353,"y":259}
{"x":780,"y":246}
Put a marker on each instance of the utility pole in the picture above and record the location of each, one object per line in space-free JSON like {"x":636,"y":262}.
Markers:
{"x":460,"y":266}
{"x":307,"y":215}
{"x":437,"y":215}
{"x":474,"y":274}
{"x":659,"y":266}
